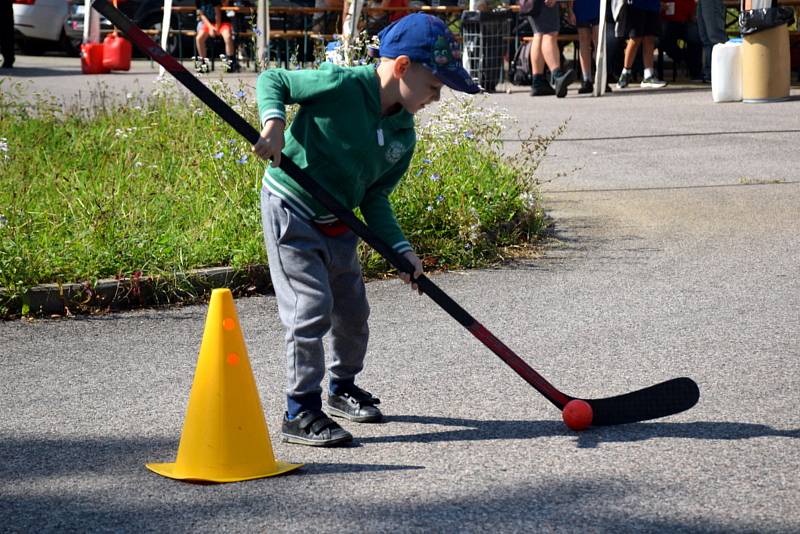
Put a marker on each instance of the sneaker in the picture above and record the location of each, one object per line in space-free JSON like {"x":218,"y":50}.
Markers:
{"x":653,"y":82}
{"x":357,"y":405}
{"x":229,"y":63}
{"x":624,"y":80}
{"x":202,"y":65}
{"x":586,"y":87}
{"x":562,"y":81}
{"x":313,"y":427}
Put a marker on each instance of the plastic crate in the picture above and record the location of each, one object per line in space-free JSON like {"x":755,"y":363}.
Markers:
{"x":484,"y":34}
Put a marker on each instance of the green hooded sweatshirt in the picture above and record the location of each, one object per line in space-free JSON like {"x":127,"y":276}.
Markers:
{"x":340,"y":138}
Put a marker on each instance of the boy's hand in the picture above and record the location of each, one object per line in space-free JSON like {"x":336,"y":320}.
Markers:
{"x":270,"y":145}
{"x":415,"y":261}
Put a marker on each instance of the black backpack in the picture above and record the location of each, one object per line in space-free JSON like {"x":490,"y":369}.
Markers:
{"x":521,"y":66}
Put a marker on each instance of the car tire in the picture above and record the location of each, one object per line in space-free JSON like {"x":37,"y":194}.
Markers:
{"x":69,"y":46}
{"x":33,"y":47}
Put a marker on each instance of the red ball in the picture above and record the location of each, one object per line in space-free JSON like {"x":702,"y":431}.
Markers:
{"x":577,"y":414}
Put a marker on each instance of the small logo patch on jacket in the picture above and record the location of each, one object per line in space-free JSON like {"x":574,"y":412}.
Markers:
{"x":395,"y":152}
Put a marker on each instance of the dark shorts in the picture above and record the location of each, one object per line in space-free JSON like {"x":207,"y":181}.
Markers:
{"x":587,"y":23}
{"x":548,"y":21}
{"x":635,"y":22}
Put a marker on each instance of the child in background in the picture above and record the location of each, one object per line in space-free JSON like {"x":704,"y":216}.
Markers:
{"x":213,"y":23}
{"x":354,"y":134}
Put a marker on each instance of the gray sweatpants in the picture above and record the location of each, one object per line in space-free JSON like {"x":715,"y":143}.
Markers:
{"x":319,"y":288}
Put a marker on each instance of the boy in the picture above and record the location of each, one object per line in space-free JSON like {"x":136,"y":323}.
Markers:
{"x":354,"y":134}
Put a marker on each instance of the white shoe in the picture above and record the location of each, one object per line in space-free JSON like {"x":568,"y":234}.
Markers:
{"x":653,"y":82}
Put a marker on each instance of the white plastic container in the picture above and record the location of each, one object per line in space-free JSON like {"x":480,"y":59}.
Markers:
{"x":726,"y":72}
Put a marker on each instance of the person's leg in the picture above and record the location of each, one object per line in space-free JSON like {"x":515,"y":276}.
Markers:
{"x":585,"y":39}
{"x":349,"y":327}
{"x":703,"y":10}
{"x":694,"y":51}
{"x":202,"y":37}
{"x":551,"y":52}
{"x":227,"y":38}
{"x":349,"y":334}
{"x":585,"y":43}
{"x":300,"y":278}
{"x":648,"y":47}
{"x":539,"y":85}
{"x":537,"y":59}
{"x":630,"y":52}
{"x":7,"y":33}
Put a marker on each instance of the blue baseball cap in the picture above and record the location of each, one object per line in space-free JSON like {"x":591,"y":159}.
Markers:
{"x":425,"y":39}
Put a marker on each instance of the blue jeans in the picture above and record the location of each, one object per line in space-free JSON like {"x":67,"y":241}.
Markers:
{"x":711,"y":24}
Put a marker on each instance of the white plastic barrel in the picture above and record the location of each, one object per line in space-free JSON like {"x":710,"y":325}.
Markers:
{"x":726,"y":72}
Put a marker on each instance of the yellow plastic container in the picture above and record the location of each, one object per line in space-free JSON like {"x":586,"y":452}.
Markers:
{"x":766,"y":66}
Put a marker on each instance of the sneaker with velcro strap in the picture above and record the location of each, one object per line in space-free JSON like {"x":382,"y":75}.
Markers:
{"x":315,"y":428}
{"x":355,"y":405}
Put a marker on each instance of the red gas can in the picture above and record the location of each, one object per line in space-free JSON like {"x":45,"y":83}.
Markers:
{"x":116,"y":52}
{"x":92,"y":58}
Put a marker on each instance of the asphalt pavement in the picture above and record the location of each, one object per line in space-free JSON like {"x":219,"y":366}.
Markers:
{"x":674,"y":252}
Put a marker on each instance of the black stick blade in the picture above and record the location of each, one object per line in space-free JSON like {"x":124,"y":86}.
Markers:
{"x":660,"y":400}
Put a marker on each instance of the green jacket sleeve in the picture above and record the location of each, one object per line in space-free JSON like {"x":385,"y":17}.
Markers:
{"x":377,"y":209}
{"x":275,"y":88}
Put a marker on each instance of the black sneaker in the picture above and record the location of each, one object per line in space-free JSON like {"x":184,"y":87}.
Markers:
{"x":562,"y":81}
{"x":356,"y":405}
{"x":624,"y":80}
{"x":586,"y":87}
{"x":542,"y":89}
{"x":314,"y":428}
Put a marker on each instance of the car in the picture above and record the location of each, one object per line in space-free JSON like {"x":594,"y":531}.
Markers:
{"x":147,"y":14}
{"x":39,"y":24}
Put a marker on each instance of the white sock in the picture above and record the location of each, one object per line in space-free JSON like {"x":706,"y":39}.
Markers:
{"x":587,"y":77}
{"x":626,"y":71}
{"x":648,"y":73}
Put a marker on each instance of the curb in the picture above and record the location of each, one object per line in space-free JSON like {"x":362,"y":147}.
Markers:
{"x":137,"y":291}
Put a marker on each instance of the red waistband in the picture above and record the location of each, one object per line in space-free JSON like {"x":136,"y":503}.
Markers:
{"x":334,"y":229}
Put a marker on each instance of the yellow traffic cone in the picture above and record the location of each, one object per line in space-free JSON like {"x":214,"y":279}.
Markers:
{"x":225,"y":437}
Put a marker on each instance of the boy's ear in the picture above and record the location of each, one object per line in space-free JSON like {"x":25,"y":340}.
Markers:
{"x":401,"y":66}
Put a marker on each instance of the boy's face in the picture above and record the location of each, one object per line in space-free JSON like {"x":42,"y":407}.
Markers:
{"x":418,"y":88}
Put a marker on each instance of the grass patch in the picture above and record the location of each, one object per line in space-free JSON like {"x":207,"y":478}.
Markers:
{"x":157,"y":185}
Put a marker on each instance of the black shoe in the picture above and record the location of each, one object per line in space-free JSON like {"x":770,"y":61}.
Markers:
{"x":356,"y":405}
{"x":562,"y":81}
{"x":586,"y":87}
{"x":314,"y":428}
{"x":8,"y":64}
{"x":542,"y":88}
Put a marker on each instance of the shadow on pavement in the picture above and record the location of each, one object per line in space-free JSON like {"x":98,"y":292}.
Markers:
{"x":29,"y":458}
{"x":477,"y":430}
{"x":41,"y":72}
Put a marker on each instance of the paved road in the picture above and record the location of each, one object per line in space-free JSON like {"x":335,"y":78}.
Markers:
{"x":673,"y":255}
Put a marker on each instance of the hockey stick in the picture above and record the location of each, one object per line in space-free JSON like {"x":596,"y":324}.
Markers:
{"x":660,"y":400}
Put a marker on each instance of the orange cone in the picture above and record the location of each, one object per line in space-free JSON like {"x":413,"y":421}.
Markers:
{"x":225,"y":437}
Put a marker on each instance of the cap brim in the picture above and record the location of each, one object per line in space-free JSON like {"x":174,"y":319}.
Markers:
{"x":459,"y":80}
